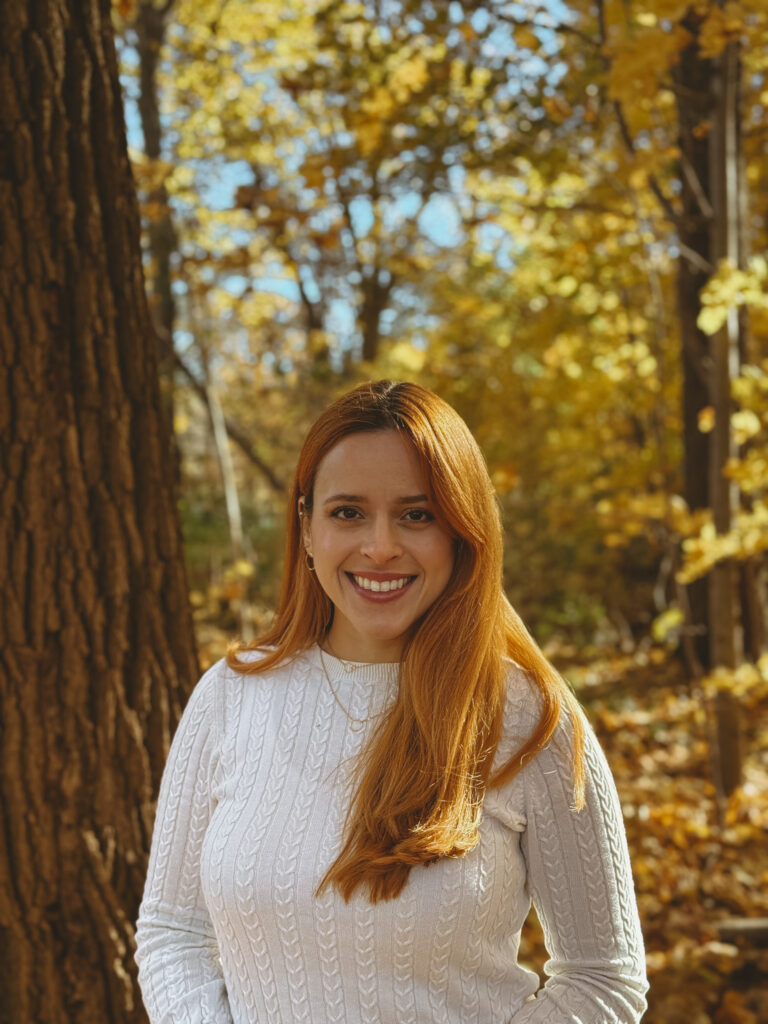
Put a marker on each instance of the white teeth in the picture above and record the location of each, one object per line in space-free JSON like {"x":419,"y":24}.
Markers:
{"x":383,"y":586}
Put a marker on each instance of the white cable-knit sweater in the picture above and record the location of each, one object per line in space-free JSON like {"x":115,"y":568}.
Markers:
{"x":250,"y":816}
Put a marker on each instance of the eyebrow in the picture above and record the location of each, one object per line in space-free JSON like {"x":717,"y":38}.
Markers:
{"x":411,"y":499}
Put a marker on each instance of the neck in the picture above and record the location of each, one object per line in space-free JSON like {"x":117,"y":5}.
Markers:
{"x":346,"y":648}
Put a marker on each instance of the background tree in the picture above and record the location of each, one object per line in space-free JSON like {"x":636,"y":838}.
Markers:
{"x":514,"y":202}
{"x":518,"y":205}
{"x":97,"y":649}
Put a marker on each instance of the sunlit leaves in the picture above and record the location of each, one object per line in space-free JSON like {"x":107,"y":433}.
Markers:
{"x":722,"y":25}
{"x":745,"y":680}
{"x":729,"y":288}
{"x":668,"y":624}
{"x":747,"y":537}
{"x":639,"y":60}
{"x":465,"y":164}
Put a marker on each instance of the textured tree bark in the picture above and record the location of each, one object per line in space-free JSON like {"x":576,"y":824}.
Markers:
{"x":150,"y":32}
{"x":752,"y":585}
{"x":376,"y":291}
{"x":710,"y":230}
{"x":694,"y":103}
{"x":96,"y":642}
{"x":724,"y":493}
{"x":151,"y":20}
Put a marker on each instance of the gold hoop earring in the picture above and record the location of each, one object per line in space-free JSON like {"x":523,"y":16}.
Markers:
{"x":309,"y":561}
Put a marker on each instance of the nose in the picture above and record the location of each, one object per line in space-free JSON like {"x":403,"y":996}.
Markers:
{"x":380,"y":543}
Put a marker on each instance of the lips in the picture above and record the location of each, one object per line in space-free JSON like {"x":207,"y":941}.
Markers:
{"x":382,"y":585}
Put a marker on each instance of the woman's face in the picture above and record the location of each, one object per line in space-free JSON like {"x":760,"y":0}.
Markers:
{"x":380,"y":552}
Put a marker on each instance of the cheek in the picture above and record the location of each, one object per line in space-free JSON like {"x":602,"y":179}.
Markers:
{"x":330,"y":546}
{"x":441,"y":557}
{"x":325,"y":542}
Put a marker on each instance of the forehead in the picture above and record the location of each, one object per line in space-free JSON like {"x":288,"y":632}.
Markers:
{"x":381,"y":462}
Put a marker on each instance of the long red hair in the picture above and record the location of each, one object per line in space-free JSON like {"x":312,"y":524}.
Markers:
{"x":421,"y":779}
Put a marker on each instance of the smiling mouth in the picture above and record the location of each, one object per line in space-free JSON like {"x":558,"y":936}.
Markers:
{"x":381,"y":586}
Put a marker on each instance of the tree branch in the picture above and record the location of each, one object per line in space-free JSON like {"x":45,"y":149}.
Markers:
{"x":234,"y":431}
{"x":693,"y":180}
{"x":695,"y":258}
{"x":629,"y":142}
{"x":559,"y":26}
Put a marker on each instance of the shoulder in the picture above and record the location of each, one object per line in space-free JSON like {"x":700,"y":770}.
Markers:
{"x":242,"y":673}
{"x":245,"y":657}
{"x":521,"y":688}
{"x":234,"y":675}
{"x":216,"y":687}
{"x":573,"y":741}
{"x":526,"y":702}
{"x":242,"y":667}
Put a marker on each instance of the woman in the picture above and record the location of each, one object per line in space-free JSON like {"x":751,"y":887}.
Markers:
{"x":359,"y":808}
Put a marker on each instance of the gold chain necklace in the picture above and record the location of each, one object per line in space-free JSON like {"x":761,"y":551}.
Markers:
{"x":356,"y":723}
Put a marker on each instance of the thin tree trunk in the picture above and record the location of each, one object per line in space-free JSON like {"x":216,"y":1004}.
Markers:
{"x":151,"y":20}
{"x":376,"y":290}
{"x":693,"y":75}
{"x":752,"y":606}
{"x":162,"y":241}
{"x":724,"y":496}
{"x":235,"y":433}
{"x":96,"y":641}
{"x":753,"y":572}
{"x":221,"y":444}
{"x":712,"y":206}
{"x":226,"y":467}
{"x":237,"y":539}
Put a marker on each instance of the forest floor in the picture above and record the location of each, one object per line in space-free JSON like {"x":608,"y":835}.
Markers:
{"x":693,"y":868}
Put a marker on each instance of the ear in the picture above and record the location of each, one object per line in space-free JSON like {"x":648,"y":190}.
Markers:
{"x":305,"y":521}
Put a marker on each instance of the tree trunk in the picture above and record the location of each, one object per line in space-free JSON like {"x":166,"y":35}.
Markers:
{"x":97,"y":650}
{"x":724,"y":493}
{"x":707,"y":92}
{"x":162,"y":241}
{"x":751,"y":589}
{"x":235,"y":433}
{"x":237,"y":539}
{"x":150,"y":34}
{"x":376,"y":289}
{"x":693,"y":84}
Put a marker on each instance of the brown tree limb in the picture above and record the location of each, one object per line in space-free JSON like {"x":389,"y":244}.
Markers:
{"x":753,"y":930}
{"x":693,"y":180}
{"x":672,"y":214}
{"x":237,"y":435}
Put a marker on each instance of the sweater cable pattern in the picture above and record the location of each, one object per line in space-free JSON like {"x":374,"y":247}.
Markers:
{"x":251,"y":814}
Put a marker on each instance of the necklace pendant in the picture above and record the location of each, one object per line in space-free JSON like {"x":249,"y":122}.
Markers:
{"x":356,"y":724}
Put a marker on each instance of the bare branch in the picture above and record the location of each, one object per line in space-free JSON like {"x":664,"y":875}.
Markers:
{"x":237,"y":435}
{"x":693,"y":180}
{"x":695,"y":258}
{"x":559,"y":26}
{"x":629,"y":142}
{"x":344,"y":203}
{"x":701,"y":361}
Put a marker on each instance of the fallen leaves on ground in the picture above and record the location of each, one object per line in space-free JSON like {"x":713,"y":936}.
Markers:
{"x":691,"y":871}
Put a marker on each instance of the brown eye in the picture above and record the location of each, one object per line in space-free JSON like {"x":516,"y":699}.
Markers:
{"x":346,"y":513}
{"x":418,"y":515}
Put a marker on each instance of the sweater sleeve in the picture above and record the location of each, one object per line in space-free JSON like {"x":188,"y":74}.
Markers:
{"x":580,"y":881}
{"x":177,"y":955}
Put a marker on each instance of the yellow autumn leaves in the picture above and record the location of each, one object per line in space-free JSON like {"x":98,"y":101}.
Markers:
{"x":730,"y":288}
